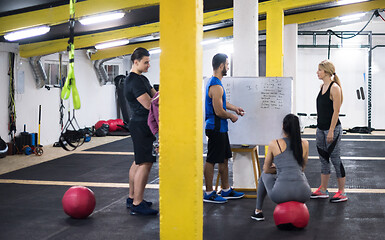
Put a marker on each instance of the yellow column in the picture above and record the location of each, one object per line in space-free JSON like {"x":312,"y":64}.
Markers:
{"x":274,"y":42}
{"x":181,"y":160}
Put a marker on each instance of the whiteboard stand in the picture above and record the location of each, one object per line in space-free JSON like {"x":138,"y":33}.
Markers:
{"x":253,"y":157}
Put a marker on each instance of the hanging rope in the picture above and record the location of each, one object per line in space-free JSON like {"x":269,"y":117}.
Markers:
{"x":70,"y":83}
{"x":335,"y":34}
{"x":11,"y":106}
{"x":379,"y":15}
{"x":61,"y":108}
{"x":71,"y":135}
{"x":330,"y":32}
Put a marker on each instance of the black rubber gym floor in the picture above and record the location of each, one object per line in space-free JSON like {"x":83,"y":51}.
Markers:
{"x":34,"y":211}
{"x":124,"y":145}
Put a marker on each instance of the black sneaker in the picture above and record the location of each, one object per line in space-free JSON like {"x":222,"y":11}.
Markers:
{"x":143,"y":209}
{"x":259,"y":216}
{"x":130,"y":201}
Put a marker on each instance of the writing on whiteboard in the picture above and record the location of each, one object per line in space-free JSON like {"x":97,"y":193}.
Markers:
{"x":266,"y":101}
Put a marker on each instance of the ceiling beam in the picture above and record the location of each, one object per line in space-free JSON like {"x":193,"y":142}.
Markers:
{"x":334,"y":12}
{"x":329,"y":13}
{"x":58,"y":15}
{"x":128,"y":49}
{"x":48,"y":47}
{"x":226,"y":32}
{"x":43,"y":48}
{"x":84,"y":41}
{"x":289,"y":4}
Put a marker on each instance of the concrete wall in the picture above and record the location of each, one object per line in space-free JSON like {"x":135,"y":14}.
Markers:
{"x":98,"y":102}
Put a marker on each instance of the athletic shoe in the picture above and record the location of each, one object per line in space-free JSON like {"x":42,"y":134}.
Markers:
{"x":143,"y":209}
{"x":339,"y":197}
{"x":232,"y":194}
{"x":213,"y":198}
{"x":320,"y":194}
{"x":259,"y":216}
{"x":130,"y":201}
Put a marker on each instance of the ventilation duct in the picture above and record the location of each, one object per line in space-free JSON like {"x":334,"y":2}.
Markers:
{"x":38,"y":71}
{"x":101,"y":72}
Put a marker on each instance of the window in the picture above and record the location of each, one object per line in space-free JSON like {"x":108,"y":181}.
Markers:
{"x":112,"y":72}
{"x":52,"y":72}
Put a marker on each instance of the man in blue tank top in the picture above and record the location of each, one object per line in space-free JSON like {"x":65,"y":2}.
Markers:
{"x":219,"y":150}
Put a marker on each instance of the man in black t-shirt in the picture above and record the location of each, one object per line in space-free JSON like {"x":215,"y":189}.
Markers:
{"x":139,"y":92}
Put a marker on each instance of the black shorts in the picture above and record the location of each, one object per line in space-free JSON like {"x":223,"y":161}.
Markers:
{"x":142,"y":138}
{"x":218,"y":147}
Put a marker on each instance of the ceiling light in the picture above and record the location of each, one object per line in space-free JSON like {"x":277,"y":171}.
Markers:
{"x":155,"y":51}
{"x":26,"y":33}
{"x":105,"y":17}
{"x":112,"y":44}
{"x":155,"y":35}
{"x":344,"y":2}
{"x":352,"y":17}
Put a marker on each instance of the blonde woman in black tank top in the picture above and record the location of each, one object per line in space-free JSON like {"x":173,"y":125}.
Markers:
{"x":329,"y":131}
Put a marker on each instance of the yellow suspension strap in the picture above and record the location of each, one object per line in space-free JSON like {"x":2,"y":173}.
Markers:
{"x":70,"y":83}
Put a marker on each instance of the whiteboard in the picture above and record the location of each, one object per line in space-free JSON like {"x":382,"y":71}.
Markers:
{"x":266,"y":101}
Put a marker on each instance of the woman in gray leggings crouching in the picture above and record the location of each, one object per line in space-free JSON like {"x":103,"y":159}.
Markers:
{"x":283,"y":177}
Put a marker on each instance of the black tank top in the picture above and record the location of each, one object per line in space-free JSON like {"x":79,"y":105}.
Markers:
{"x":325,"y":110}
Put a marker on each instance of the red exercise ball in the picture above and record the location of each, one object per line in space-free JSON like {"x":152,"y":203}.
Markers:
{"x":78,"y":202}
{"x":100,"y":123}
{"x":291,"y":215}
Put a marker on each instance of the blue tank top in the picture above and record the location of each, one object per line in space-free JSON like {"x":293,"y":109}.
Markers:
{"x":213,"y":122}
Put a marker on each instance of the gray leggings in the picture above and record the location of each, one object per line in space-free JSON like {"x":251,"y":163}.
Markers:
{"x":330,"y":151}
{"x":283,"y":190}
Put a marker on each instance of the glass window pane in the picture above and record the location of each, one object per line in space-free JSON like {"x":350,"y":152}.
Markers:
{"x":47,"y":71}
{"x":112,"y":71}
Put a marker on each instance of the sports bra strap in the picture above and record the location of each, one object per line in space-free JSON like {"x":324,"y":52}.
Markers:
{"x":278,"y":145}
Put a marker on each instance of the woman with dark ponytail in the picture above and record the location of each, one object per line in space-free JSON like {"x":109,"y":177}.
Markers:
{"x":283,"y":177}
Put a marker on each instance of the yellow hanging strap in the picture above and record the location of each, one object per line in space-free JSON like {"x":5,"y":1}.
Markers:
{"x":70,"y":83}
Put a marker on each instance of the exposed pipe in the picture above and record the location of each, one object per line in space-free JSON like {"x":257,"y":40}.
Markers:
{"x":38,"y":71}
{"x":101,"y":73}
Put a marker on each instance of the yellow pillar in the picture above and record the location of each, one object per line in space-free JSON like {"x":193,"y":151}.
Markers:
{"x":274,"y":41}
{"x":181,"y":160}
{"x":274,"y":44}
